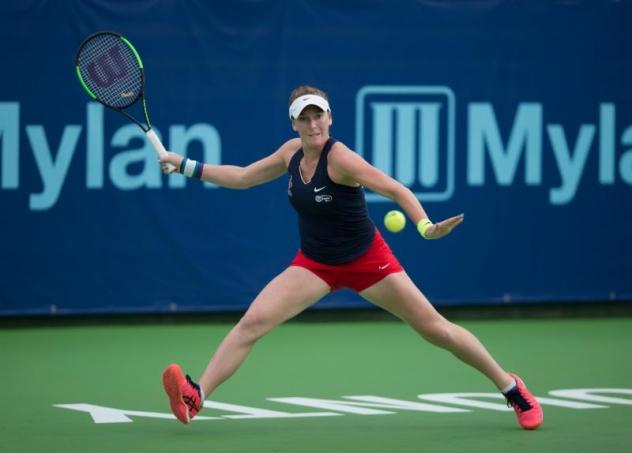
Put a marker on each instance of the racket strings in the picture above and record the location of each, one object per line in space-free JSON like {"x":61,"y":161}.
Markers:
{"x":111,"y":71}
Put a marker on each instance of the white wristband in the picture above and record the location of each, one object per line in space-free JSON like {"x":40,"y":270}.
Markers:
{"x":189,"y":168}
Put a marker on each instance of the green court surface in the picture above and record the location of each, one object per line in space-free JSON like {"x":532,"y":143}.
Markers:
{"x":119,"y":367}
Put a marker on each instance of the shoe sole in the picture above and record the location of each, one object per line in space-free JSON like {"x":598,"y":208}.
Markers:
{"x":171,"y":379}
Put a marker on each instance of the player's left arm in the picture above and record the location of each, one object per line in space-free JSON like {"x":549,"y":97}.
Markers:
{"x":349,"y":168}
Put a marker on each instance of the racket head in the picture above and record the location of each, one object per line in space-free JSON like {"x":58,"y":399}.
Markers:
{"x":110,"y":69}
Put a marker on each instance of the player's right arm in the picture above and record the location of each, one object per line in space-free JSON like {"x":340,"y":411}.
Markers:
{"x":236,"y":177}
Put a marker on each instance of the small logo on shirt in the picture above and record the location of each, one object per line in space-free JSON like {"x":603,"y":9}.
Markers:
{"x":323,"y":198}
{"x":289,"y":187}
{"x":384,"y":267}
{"x":318,"y":189}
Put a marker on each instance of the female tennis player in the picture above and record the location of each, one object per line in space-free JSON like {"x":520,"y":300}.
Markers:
{"x":340,"y":247}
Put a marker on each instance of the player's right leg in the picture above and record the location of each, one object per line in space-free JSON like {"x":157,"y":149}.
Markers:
{"x":288,"y":294}
{"x":284,"y":297}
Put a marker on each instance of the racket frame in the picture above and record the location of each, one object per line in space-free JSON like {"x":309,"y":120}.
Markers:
{"x":151,"y":135}
{"x":141,"y":92}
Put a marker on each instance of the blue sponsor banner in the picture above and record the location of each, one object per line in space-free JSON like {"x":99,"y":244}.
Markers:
{"x":518,"y":114}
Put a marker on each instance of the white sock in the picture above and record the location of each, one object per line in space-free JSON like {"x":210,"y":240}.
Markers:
{"x":202,"y":394}
{"x":509,"y":387}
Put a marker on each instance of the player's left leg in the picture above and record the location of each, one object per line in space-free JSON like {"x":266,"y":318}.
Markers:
{"x":399,"y":295}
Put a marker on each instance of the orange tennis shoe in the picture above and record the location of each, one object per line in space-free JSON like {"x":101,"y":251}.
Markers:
{"x":527,"y":408}
{"x":184,"y":395}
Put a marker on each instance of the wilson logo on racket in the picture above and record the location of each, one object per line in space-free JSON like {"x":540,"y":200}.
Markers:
{"x":127,"y":94}
{"x":108,"y":68}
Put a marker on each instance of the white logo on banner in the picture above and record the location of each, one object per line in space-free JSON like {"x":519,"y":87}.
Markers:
{"x":408,"y":133}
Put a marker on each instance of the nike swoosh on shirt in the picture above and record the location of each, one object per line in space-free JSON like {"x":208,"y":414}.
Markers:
{"x":318,"y":189}
{"x":384,"y":267}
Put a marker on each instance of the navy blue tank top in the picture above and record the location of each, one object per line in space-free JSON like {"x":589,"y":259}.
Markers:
{"x":333,"y":219}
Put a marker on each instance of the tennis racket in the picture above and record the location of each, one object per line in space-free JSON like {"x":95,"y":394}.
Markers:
{"x":111,"y":71}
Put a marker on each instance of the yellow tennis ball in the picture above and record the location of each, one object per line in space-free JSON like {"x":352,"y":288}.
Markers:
{"x":394,"y":221}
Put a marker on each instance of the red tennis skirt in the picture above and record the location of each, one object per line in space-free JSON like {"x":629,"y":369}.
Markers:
{"x":359,"y":274}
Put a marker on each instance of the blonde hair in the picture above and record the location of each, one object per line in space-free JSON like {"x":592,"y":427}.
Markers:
{"x":306,"y":89}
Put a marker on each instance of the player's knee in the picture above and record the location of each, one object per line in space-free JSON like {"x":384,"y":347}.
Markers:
{"x":251,"y":327}
{"x":439,"y":333}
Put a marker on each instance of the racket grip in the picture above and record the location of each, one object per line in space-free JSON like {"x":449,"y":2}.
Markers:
{"x":156,"y":143}
{"x":159,"y":148}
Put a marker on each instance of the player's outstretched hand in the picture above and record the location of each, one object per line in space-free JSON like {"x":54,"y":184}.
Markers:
{"x":445,"y":227}
{"x":170,"y":158}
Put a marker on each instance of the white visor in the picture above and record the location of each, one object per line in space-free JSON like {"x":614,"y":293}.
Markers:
{"x":300,"y":103}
